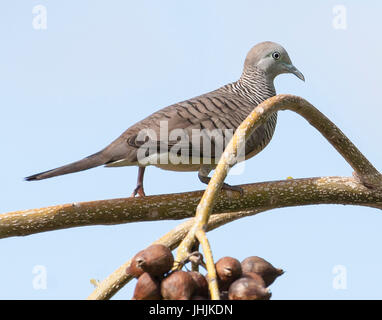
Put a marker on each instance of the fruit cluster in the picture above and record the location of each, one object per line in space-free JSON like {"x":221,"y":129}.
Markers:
{"x":248,"y":280}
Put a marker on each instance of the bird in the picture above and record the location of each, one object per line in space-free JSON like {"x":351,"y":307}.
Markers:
{"x":191,"y":135}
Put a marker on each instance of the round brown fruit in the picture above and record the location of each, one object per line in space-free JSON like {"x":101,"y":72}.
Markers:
{"x":255,"y":276}
{"x":228,"y":269}
{"x":201,"y":284}
{"x":147,"y":288}
{"x":178,"y":285}
{"x":258,"y":265}
{"x":247,"y":288}
{"x":156,"y":259}
{"x":134,"y":269}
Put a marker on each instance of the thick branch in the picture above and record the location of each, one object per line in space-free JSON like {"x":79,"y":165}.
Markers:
{"x":178,"y":206}
{"x":364,"y":171}
{"x":264,"y":195}
{"x":365,"y":189}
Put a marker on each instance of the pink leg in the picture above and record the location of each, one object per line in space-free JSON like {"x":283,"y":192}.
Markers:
{"x":139,"y":188}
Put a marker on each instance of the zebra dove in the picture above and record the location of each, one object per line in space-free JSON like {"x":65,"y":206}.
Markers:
{"x":191,"y":135}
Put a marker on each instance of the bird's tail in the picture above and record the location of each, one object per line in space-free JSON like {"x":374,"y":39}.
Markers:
{"x":92,"y":161}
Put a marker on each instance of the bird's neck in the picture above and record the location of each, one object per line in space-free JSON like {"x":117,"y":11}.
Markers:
{"x":255,"y":84}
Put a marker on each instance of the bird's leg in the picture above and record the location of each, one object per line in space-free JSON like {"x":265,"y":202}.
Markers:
{"x":203,"y":177}
{"x":139,"y":188}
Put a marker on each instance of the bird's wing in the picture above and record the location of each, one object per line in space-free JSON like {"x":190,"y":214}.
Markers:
{"x":201,"y":127}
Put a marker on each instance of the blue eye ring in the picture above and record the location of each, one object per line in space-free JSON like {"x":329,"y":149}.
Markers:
{"x":276,"y":55}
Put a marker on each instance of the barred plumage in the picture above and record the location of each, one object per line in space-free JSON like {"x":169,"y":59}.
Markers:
{"x":216,"y":115}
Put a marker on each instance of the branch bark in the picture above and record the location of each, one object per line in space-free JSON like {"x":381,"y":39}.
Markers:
{"x":178,"y":206}
{"x":364,"y":171}
{"x":115,"y":281}
{"x":364,"y":189}
{"x":264,"y":195}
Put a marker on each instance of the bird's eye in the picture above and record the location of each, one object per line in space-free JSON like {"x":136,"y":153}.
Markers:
{"x":276,"y":55}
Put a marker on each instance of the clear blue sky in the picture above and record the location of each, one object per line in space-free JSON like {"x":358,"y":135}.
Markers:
{"x":100,"y":66}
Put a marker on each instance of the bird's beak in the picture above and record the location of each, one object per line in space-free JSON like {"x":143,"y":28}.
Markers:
{"x":292,"y":69}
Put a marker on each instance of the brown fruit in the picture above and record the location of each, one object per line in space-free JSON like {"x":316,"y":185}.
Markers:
{"x":258,"y":265}
{"x":134,"y":269}
{"x":255,"y":276}
{"x":201,"y":284}
{"x":247,"y":288}
{"x":228,"y":269}
{"x":156,"y":259}
{"x":178,"y":285}
{"x":147,"y":288}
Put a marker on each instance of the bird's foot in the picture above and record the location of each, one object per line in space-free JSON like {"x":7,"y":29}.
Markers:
{"x":225,"y":186}
{"x":233,"y":188}
{"x":138,"y":191}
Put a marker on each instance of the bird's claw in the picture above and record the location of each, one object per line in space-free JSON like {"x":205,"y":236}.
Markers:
{"x":138,"y":191}
{"x":233,"y":188}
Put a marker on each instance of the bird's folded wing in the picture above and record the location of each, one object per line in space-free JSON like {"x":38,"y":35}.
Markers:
{"x":201,"y":126}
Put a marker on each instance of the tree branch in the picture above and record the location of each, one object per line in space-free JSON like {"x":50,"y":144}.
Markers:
{"x":364,"y":189}
{"x":179,"y":206}
{"x":364,"y":171}
{"x":264,"y":195}
{"x":114,"y":282}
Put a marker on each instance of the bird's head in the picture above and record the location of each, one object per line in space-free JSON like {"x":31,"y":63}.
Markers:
{"x":271,"y":58}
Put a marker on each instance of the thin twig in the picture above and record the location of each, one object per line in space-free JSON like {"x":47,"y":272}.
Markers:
{"x":179,"y":206}
{"x":210,"y":265}
{"x":115,"y":281}
{"x":364,"y":170}
{"x":274,"y":194}
{"x":365,"y":190}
